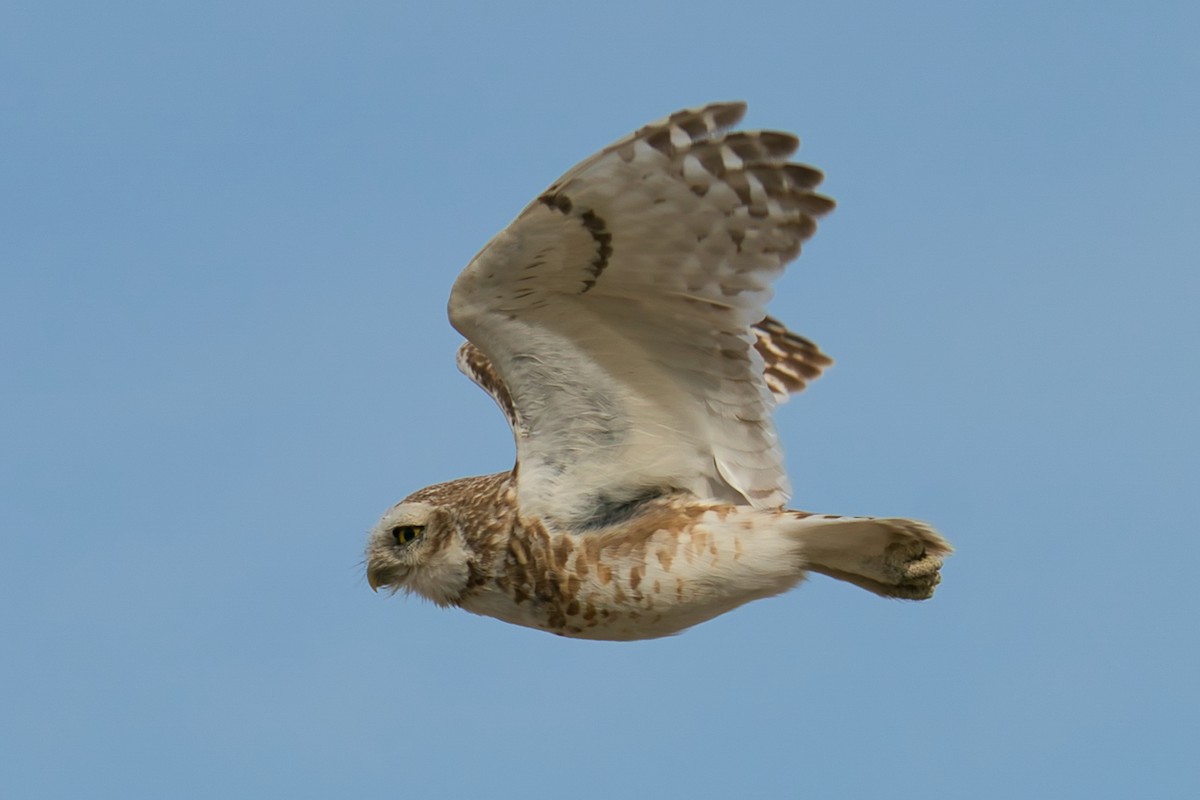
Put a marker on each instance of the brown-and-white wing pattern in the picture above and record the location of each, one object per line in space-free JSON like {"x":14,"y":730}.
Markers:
{"x":475,"y":365}
{"x":790,"y":363}
{"x":618,"y":308}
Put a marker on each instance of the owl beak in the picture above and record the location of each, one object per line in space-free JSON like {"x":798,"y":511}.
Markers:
{"x":380,"y":573}
{"x":374,"y":578}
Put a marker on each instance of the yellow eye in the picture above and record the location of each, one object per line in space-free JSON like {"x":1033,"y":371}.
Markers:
{"x":405,"y":534}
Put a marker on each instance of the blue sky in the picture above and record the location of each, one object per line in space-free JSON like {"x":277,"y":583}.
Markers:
{"x":229,"y":232}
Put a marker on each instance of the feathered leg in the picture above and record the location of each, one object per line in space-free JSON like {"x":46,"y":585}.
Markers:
{"x":890,"y":557}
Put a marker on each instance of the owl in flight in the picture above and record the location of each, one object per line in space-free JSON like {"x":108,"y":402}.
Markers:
{"x":620,"y":324}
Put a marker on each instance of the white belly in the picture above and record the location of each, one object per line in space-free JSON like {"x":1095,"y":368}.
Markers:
{"x":645,"y":583}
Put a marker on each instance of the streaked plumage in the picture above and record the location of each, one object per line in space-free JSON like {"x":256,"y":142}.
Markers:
{"x":619,"y":322}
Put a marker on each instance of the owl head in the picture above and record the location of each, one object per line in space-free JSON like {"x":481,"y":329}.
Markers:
{"x":417,"y":547}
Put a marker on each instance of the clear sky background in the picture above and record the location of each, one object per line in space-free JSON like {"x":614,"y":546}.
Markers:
{"x":228,"y":231}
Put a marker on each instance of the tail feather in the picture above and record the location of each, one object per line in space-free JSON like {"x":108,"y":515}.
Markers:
{"x":890,"y":557}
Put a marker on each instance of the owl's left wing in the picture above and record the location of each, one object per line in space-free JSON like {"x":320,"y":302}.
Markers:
{"x":618,"y":315}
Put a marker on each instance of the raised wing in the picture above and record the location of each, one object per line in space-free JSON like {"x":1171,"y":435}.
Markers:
{"x":618,"y":315}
